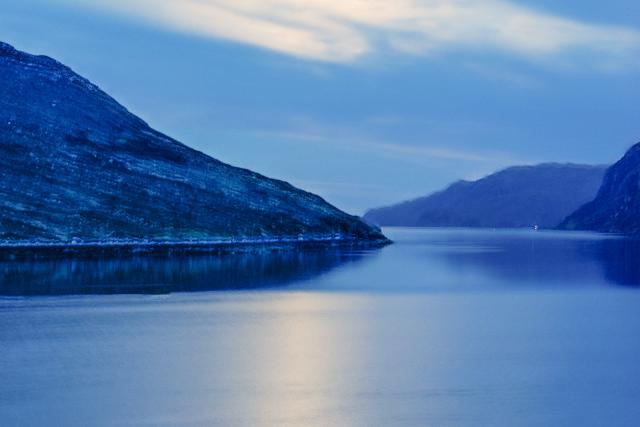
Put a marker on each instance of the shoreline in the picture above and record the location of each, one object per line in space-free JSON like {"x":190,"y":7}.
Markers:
{"x":42,"y":250}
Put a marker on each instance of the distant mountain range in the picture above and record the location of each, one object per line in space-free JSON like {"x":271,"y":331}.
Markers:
{"x":616,"y":208}
{"x":76,"y":166}
{"x":521,"y":196}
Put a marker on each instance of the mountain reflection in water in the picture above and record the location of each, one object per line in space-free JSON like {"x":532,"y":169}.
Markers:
{"x":421,"y":260}
{"x":164,"y":274}
{"x":545,"y":258}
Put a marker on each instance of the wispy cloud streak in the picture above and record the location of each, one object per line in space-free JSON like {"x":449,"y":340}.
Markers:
{"x":346,"y":30}
{"x":421,"y":154}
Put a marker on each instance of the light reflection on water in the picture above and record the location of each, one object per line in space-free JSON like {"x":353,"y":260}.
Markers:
{"x":446,"y":327}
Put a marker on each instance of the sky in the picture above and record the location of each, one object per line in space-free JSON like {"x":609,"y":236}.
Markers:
{"x":365,"y":102}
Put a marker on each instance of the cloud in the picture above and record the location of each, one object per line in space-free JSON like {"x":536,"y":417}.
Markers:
{"x":503,"y":75}
{"x":419,"y":154}
{"x":347,"y":30}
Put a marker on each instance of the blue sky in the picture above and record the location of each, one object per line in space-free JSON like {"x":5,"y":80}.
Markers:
{"x":364,"y":102}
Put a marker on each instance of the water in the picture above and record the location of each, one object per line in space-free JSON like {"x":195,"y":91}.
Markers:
{"x":444,"y":328}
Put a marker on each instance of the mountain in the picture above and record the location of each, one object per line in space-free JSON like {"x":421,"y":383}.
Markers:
{"x":520,"y":196}
{"x":616,"y":207}
{"x":76,"y":166}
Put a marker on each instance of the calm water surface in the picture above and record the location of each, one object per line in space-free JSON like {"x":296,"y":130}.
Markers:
{"x":443,"y":328}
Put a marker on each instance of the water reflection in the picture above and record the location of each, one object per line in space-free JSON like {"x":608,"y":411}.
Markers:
{"x":163,"y":274}
{"x":392,"y":344}
{"x":422,"y":260}
{"x":620,"y":260}
{"x":540,"y":258}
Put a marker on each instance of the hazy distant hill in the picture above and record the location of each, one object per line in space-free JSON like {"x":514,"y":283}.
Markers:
{"x":76,"y":165}
{"x":616,"y":207}
{"x":521,"y":196}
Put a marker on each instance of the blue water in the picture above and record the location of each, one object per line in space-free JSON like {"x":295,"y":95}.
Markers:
{"x":443,"y":328}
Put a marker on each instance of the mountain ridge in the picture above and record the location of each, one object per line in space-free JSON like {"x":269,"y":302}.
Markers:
{"x":75,"y":165}
{"x":616,"y":207}
{"x":515,"y":197}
